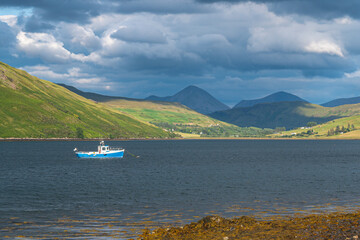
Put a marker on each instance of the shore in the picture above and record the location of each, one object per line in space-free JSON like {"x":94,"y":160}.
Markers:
{"x":316,"y":226}
{"x":157,"y":139}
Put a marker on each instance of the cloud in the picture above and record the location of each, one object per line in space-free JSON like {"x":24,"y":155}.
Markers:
{"x":34,"y":24}
{"x":42,"y":45}
{"x":78,"y":38}
{"x":46,"y":47}
{"x":328,"y":9}
{"x":355,"y":74}
{"x":324,"y":46}
{"x":140,"y":34}
{"x":9,"y":20}
{"x":145,"y":44}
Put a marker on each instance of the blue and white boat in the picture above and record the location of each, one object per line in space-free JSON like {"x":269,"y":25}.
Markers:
{"x":104,"y":151}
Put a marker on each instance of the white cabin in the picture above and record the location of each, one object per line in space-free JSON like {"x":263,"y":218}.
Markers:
{"x":102,"y":148}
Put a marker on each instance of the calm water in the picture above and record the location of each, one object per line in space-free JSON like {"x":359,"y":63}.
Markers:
{"x":45,"y":191}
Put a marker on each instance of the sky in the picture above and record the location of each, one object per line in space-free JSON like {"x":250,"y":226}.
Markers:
{"x":233,"y":49}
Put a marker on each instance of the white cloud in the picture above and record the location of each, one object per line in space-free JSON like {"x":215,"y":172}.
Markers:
{"x":344,"y":20}
{"x":324,"y":46}
{"x":79,"y":35}
{"x":42,"y":45}
{"x":9,"y":20}
{"x":46,"y":47}
{"x":46,"y":72}
{"x":355,"y":74}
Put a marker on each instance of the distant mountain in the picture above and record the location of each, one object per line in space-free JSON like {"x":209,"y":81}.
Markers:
{"x":275,"y":97}
{"x":342,"y":101}
{"x":35,"y":108}
{"x":95,"y":96}
{"x":279,"y":114}
{"x":194,"y":98}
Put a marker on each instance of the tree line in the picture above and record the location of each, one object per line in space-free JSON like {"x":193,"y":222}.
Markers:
{"x":338,"y":130}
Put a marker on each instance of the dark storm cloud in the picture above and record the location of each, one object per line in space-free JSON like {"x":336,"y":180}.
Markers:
{"x":326,"y":9}
{"x":53,"y":10}
{"x":136,"y":46}
{"x":34,"y":24}
{"x":7,"y":41}
{"x":81,"y":11}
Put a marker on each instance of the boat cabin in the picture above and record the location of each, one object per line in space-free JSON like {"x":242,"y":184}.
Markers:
{"x":102,"y":148}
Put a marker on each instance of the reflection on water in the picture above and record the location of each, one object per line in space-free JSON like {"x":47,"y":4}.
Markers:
{"x":46,"y":192}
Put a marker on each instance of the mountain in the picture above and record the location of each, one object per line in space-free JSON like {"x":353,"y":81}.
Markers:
{"x":281,"y":114}
{"x":342,"y":101}
{"x":95,"y":96}
{"x":194,"y":98}
{"x":275,"y":97}
{"x":35,"y":108}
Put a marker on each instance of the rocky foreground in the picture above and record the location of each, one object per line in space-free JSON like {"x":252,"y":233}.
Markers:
{"x":317,"y":226}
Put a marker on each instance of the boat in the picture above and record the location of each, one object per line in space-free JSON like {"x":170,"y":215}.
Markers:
{"x":104,"y":151}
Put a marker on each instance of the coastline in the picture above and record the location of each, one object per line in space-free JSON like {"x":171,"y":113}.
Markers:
{"x":159,"y":139}
{"x":341,"y":225}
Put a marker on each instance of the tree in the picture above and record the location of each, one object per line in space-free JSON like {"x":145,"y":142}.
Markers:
{"x":280,"y":129}
{"x":79,"y":132}
{"x":311,"y":124}
{"x":337,"y":130}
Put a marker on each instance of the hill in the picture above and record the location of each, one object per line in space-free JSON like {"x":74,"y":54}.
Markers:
{"x":275,"y":97}
{"x":342,"y":101}
{"x":283,"y":114}
{"x":194,"y":98}
{"x":342,"y":128}
{"x":35,"y":108}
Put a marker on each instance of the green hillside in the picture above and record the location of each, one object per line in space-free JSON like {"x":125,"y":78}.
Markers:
{"x":342,"y":128}
{"x":284,"y":114}
{"x":181,"y":119}
{"x":34,"y":108}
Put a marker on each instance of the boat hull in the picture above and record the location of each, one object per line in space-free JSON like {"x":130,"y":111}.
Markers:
{"x":115,"y":154}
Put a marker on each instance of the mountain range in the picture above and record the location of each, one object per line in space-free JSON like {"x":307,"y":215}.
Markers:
{"x":342,"y":101}
{"x":280,"y":109}
{"x":275,"y":97}
{"x":194,"y":98}
{"x":279,"y":114}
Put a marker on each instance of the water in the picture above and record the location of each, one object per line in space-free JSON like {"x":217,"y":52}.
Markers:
{"x":45,"y":191}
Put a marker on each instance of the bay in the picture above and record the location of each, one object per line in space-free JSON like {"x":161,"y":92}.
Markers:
{"x":45,"y":191}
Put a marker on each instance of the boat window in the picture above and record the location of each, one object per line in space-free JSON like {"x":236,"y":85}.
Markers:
{"x":103,"y":148}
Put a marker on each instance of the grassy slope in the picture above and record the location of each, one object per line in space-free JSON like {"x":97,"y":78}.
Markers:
{"x":31,"y":107}
{"x":173,"y":113}
{"x":322,"y":129}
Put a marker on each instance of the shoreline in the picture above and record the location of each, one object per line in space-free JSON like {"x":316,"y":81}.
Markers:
{"x":161,"y":139}
{"x":339,"y":225}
